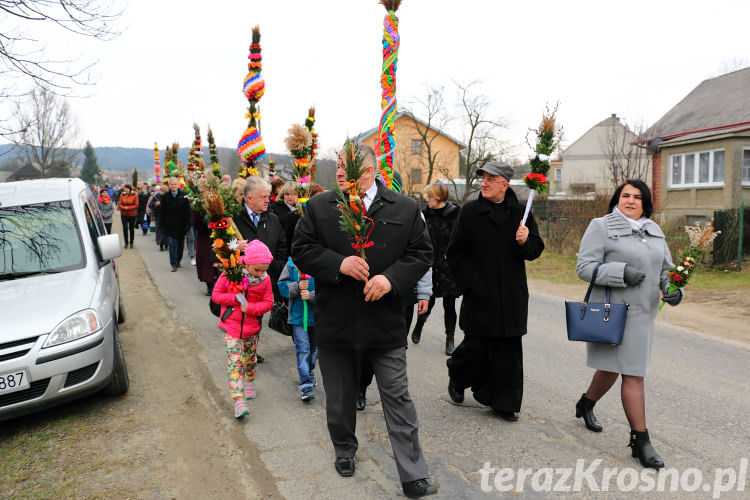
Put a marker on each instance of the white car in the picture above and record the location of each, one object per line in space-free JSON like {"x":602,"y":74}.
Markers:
{"x":59,"y":297}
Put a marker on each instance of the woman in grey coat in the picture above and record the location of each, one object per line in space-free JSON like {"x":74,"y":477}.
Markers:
{"x":634,"y":261}
{"x":106,"y":208}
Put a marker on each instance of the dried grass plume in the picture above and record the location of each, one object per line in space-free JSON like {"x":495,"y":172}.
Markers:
{"x":299,"y":138}
{"x":391,"y":4}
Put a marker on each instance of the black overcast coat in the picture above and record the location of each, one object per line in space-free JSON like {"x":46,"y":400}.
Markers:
{"x":401,"y":252}
{"x":270,"y":232}
{"x":490,"y":266}
{"x":174,"y":214}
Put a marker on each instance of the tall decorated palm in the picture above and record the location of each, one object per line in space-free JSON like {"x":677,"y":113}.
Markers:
{"x":386,"y":143}
{"x":250,"y":148}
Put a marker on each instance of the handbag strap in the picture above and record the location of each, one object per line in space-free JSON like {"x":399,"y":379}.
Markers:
{"x":591,"y":286}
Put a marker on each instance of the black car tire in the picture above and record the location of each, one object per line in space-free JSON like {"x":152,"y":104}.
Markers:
{"x":120,"y":310}
{"x":119,"y":382}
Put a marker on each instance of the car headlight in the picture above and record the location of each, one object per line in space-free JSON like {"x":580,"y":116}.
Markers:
{"x":77,"y":326}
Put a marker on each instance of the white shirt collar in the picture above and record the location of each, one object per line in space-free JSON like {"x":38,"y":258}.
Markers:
{"x":250,"y":212}
{"x":370,"y":195}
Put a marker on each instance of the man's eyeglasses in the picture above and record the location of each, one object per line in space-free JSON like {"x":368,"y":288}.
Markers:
{"x":494,"y":179}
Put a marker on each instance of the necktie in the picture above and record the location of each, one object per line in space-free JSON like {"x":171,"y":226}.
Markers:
{"x":254,"y":216}
{"x":363,"y":197}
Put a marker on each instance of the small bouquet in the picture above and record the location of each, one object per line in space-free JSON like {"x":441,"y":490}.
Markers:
{"x":700,"y":238}
{"x":353,"y":221}
{"x":225,"y":242}
{"x":536,"y":180}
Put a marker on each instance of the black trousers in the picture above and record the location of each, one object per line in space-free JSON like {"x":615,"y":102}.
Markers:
{"x":128,"y":228}
{"x":340,"y":370}
{"x":449,"y":317}
{"x":492,"y":368}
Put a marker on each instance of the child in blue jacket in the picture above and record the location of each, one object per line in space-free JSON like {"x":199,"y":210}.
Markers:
{"x":300,"y":290}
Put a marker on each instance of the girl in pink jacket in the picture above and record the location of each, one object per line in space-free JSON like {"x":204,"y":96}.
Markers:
{"x":240,"y":312}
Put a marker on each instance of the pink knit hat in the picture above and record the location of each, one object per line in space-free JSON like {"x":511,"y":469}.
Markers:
{"x":256,"y":253}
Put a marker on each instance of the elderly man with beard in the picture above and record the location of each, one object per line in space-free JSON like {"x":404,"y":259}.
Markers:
{"x":359,"y":314}
{"x":487,"y":254}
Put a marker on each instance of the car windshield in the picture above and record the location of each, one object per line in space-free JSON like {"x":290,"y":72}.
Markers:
{"x":38,"y":239}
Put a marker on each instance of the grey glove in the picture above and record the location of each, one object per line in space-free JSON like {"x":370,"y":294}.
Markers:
{"x":633,"y":276}
{"x":673,"y":298}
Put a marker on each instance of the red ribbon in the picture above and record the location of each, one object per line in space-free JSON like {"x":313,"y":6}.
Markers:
{"x":222,"y":224}
{"x":358,"y":245}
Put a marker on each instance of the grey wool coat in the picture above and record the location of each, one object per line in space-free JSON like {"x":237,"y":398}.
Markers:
{"x":612,"y":241}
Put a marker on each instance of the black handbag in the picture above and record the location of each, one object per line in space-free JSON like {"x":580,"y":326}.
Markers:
{"x":214,"y":307}
{"x":594,"y":321}
{"x":279,"y":319}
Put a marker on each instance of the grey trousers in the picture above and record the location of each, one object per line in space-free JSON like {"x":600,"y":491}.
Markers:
{"x":340,"y":369}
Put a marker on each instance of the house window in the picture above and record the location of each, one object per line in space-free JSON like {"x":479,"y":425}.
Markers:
{"x":558,"y":175}
{"x":415,"y":176}
{"x":616,"y":170}
{"x":746,"y":166}
{"x":416,"y":146}
{"x":701,"y":169}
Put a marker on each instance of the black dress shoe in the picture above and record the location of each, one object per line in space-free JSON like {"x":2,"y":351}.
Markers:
{"x":418,"y":488}
{"x":259,"y":358}
{"x":361,"y":401}
{"x":585,"y":409}
{"x":456,"y":395}
{"x":640,"y":443}
{"x":510,"y":416}
{"x":344,"y":466}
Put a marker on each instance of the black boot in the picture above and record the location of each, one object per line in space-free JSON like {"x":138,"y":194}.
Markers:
{"x":643,"y":451}
{"x":585,"y":409}
{"x":448,"y":344}
{"x":416,"y":335}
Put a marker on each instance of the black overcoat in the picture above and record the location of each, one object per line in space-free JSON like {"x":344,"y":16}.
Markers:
{"x":270,"y":232}
{"x":401,"y":252}
{"x":174,"y":214}
{"x":440,"y":224}
{"x":490,"y":266}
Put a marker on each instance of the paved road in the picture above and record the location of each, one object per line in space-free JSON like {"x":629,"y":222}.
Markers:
{"x":697,"y":406}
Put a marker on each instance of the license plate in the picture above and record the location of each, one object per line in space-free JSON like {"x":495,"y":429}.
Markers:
{"x":14,"y":381}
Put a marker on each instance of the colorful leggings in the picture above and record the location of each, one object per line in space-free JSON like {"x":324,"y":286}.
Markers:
{"x":241,"y":363}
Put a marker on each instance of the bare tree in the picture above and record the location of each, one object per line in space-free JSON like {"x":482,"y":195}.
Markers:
{"x":432,"y":109}
{"x":481,"y":135}
{"x":22,"y":55}
{"x":624,"y":158}
{"x":46,"y":132}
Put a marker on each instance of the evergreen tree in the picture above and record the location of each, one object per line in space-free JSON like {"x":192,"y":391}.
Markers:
{"x":135,"y":177}
{"x":90,"y":172}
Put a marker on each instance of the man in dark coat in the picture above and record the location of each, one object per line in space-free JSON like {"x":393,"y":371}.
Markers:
{"x":487,"y":253}
{"x":359,"y":314}
{"x":255,"y":222}
{"x":174,"y":221}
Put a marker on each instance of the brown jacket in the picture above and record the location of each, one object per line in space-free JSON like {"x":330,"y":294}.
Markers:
{"x":128,"y":204}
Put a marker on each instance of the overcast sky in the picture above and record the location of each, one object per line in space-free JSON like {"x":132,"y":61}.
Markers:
{"x":179,"y":62}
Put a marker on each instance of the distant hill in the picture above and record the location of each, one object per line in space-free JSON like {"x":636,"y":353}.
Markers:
{"x":124,"y":159}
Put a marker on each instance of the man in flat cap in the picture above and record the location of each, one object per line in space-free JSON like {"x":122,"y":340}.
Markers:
{"x":487,"y":252}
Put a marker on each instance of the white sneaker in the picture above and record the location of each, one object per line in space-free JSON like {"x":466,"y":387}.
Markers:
{"x":192,"y":261}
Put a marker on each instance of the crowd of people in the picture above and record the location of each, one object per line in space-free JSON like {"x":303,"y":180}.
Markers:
{"x":351,"y":317}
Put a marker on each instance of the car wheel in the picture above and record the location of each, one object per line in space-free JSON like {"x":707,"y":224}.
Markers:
{"x":120,"y":310}
{"x":118,"y":384}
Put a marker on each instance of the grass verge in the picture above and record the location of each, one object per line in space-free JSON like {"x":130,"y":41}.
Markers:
{"x":559,"y":268}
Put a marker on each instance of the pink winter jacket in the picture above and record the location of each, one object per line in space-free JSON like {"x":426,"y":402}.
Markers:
{"x":259,"y":302}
